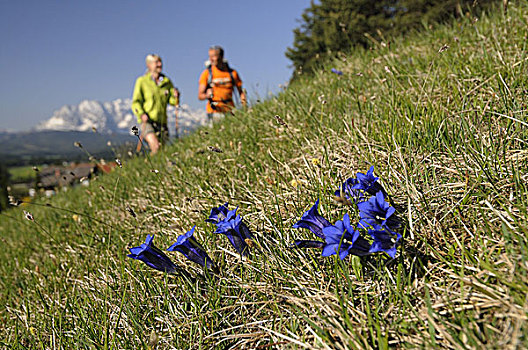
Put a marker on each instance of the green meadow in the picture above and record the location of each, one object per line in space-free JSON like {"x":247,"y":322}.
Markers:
{"x":442,"y":116}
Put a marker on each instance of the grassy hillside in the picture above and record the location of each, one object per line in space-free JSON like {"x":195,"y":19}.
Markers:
{"x":447,"y":134}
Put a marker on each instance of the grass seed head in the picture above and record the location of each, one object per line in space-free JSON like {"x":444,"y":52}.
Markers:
{"x":13,"y":201}
{"x":28,"y":216}
{"x":215,"y":149}
{"x":281,"y":121}
{"x":443,"y":48}
{"x":131,"y":211}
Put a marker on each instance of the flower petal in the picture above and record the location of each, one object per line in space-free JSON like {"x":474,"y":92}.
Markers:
{"x":312,"y":221}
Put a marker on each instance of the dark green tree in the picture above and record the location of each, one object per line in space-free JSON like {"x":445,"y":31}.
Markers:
{"x":332,"y":26}
{"x":4,"y":182}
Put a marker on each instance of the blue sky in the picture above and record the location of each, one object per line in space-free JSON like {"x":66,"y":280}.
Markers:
{"x":62,"y":52}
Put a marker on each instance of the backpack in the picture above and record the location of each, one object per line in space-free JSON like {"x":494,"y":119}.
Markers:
{"x":236,"y":96}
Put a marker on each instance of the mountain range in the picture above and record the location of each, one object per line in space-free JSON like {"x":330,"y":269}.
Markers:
{"x":113,"y":117}
{"x":99,"y":126}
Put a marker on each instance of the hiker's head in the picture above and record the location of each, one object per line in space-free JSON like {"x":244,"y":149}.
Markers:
{"x":216,"y":55}
{"x":153,"y":63}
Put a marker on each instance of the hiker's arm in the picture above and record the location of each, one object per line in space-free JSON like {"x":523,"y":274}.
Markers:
{"x":204,"y":93}
{"x":137,"y":103}
{"x":174,"y":96}
{"x":243,"y":97}
{"x":241,"y":91}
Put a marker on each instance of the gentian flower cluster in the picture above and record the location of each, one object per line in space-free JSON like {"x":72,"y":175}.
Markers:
{"x":229,"y":223}
{"x":185,"y":244}
{"x":336,"y":71}
{"x":356,"y":190}
{"x":342,"y":238}
{"x":374,"y":232}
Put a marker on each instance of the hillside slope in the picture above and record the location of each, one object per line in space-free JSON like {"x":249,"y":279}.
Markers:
{"x":441,"y":115}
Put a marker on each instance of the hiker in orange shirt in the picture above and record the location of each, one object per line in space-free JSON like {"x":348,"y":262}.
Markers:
{"x":217,"y":85}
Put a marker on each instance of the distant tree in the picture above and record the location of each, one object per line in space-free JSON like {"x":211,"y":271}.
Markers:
{"x":4,"y":182}
{"x":331,"y":26}
{"x":334,"y":25}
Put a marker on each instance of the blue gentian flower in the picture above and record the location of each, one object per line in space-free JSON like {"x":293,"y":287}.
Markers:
{"x":343,"y":239}
{"x":313,"y":221}
{"x":384,"y":241}
{"x":188,"y":246}
{"x":336,"y":71}
{"x":377,"y":212}
{"x":153,"y":256}
{"x":218,"y":214}
{"x":236,"y":231}
{"x":349,"y":192}
{"x":368,"y":183}
{"x":354,"y":189}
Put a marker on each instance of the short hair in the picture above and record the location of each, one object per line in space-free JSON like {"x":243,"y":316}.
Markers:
{"x":152,"y":57}
{"x":218,"y":48}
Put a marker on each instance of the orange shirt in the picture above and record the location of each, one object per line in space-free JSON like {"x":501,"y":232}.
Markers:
{"x":222,"y":89}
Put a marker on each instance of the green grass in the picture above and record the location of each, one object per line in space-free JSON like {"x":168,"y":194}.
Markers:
{"x":447,"y":133}
{"x":21,"y":173}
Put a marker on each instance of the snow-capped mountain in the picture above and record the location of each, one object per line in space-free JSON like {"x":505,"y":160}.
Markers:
{"x":114,"y":116}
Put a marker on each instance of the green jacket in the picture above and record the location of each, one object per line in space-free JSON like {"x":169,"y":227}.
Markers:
{"x":152,"y":99}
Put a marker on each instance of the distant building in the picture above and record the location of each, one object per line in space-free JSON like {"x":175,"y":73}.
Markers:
{"x":54,"y":177}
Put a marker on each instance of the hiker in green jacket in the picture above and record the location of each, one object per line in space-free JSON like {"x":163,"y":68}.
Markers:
{"x":152,"y":92}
